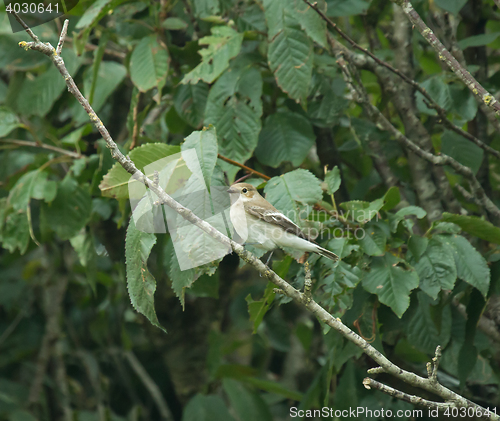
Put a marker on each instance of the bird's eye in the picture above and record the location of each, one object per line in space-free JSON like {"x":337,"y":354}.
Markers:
{"x":245,"y":190}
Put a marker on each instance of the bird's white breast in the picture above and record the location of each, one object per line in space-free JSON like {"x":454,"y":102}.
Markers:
{"x":238,"y":219}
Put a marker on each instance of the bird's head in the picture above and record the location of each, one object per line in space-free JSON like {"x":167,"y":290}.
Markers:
{"x":243,"y":191}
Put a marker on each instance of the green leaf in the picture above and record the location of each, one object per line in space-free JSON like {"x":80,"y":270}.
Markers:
{"x":205,"y":286}
{"x":290,"y":58}
{"x":285,"y":136}
{"x":141,"y":285}
{"x":234,"y":107}
{"x":462,"y":150}
{"x":445,"y":227}
{"x":21,"y":193}
{"x":339,"y":8}
{"x":342,"y":247}
{"x":362,"y":212}
{"x":190,"y":102}
{"x":326,"y":104}
{"x":92,"y":13}
{"x":310,"y":21}
{"x":44,"y":189}
{"x":204,"y":142}
{"x":374,"y":241}
{"x":15,"y":233}
{"x":83,"y":245}
{"x":478,"y":40}
{"x":70,"y":210}
{"x":475,"y":226}
{"x":271,"y":387}
{"x":252,"y":19}
{"x":333,"y":180}
{"x":436,"y":268}
{"x":109,"y":77}
{"x":452,"y":6}
{"x":439,"y":91}
{"x":273,"y":10}
{"x":471,"y":266}
{"x":206,"y":408}
{"x":223,"y":45}
{"x":258,"y":309}
{"x":15,"y":58}
{"x":174,"y":24}
{"x":33,"y":184}
{"x":403,"y":213}
{"x":417,"y":246}
{"x":74,"y":137}
{"x":339,"y":280}
{"x":295,"y":186}
{"x":37,"y":96}
{"x":390,"y":282}
{"x":429,"y":325}
{"x":115,"y":182}
{"x":149,"y":64}
{"x":181,"y":279}
{"x":205,"y":8}
{"x":8,"y":121}
{"x":391,"y":198}
{"x":464,"y":102}
{"x":248,"y":405}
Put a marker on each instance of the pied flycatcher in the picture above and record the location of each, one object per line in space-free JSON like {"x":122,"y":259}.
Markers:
{"x":258,"y":222}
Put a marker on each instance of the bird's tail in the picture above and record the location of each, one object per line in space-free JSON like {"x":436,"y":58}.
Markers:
{"x":326,"y":253}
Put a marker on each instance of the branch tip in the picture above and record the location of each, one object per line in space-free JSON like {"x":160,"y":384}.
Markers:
{"x":62,"y":37}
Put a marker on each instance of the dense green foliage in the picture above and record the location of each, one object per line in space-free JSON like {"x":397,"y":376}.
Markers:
{"x":259,"y":83}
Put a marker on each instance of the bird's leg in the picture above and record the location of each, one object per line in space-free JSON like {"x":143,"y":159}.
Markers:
{"x":267,"y":261}
{"x":307,"y":283}
{"x":269,"y":258}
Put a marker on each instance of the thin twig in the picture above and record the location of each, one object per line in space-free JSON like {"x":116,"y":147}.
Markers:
{"x":376,"y":370}
{"x":26,"y":28}
{"x":307,"y":282}
{"x":42,"y":146}
{"x":415,"y":400}
{"x":149,"y":384}
{"x":91,"y":47}
{"x":230,"y":161}
{"x":64,"y":32}
{"x":467,"y":196}
{"x":6,"y":333}
{"x":435,"y":364}
{"x":135,"y":129}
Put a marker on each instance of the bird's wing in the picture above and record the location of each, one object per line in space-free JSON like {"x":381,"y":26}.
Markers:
{"x":275,"y":217}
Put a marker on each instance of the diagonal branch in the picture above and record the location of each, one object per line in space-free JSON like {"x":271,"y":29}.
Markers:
{"x":150,"y":385}
{"x":242,"y":166}
{"x":476,"y":188}
{"x":429,"y":101}
{"x":299,"y":297}
{"x":42,"y":146}
{"x":444,"y":55}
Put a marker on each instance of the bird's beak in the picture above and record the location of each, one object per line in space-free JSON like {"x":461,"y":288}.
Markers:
{"x":231,"y":190}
